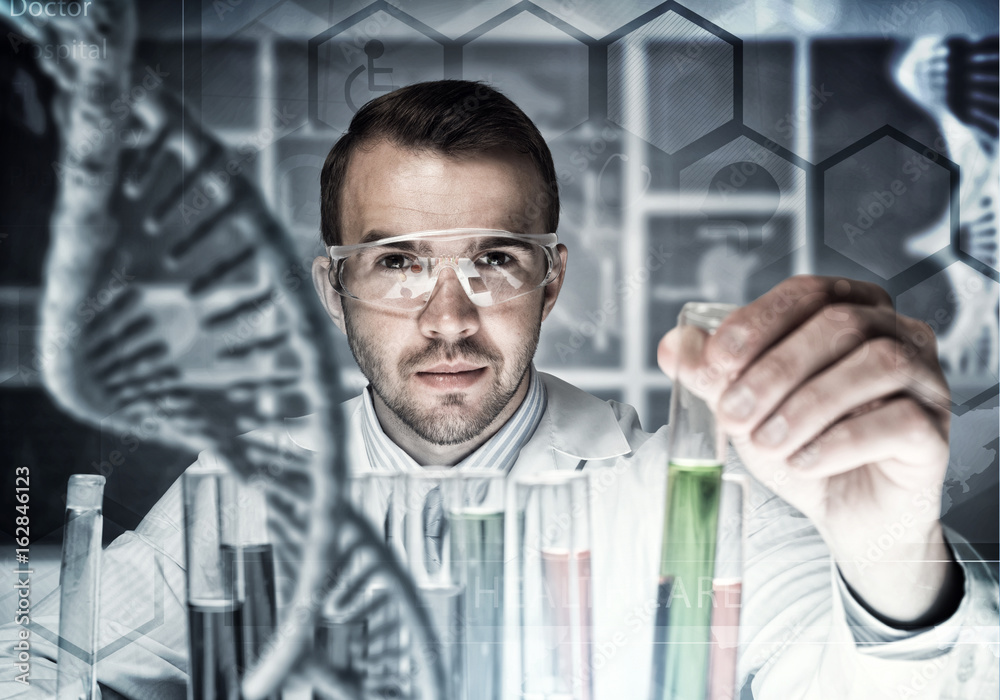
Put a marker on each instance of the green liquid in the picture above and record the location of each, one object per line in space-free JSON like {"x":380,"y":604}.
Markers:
{"x":687,"y":562}
{"x":477,"y":553}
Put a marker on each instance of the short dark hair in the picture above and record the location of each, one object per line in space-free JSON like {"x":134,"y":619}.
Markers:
{"x":451,"y":117}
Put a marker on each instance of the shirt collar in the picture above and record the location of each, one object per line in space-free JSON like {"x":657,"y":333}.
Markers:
{"x":498,"y":453}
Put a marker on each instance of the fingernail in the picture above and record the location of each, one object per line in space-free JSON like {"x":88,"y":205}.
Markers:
{"x":773,"y":432}
{"x":738,"y":403}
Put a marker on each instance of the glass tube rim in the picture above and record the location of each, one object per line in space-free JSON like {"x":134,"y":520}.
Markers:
{"x":435,"y":473}
{"x":91,"y":479}
{"x":707,"y":315}
{"x":85,"y":491}
{"x":552,"y":477}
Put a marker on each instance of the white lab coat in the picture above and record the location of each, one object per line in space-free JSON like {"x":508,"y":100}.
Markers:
{"x":795,"y":641}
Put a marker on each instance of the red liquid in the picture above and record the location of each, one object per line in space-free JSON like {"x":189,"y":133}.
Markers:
{"x":571,"y":613}
{"x":726,"y":596}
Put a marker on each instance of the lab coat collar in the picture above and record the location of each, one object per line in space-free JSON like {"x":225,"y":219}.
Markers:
{"x":575,"y":424}
{"x":579,"y":425}
{"x":302,"y":431}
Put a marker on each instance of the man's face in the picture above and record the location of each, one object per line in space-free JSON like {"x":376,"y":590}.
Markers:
{"x":452,"y":371}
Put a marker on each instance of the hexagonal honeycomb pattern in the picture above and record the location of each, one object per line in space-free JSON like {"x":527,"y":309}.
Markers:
{"x":960,"y":305}
{"x":872,"y":195}
{"x":751,"y":198}
{"x":556,"y":98}
{"x":687,"y":74}
{"x":367,"y":58}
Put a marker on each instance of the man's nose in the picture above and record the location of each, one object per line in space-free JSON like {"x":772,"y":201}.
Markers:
{"x":449,"y":313}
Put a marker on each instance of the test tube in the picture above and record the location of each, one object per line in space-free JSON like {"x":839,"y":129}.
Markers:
{"x":214,"y":613}
{"x":79,"y":577}
{"x":684,"y":596}
{"x":381,"y":505}
{"x":341,"y":636}
{"x":554,"y":586}
{"x":248,"y":565}
{"x":476,"y":502}
{"x":727,"y":589}
{"x":427,"y":541}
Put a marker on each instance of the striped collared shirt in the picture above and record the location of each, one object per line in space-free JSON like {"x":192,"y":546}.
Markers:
{"x":498,"y":453}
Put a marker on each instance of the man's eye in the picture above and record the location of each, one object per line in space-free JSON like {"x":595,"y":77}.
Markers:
{"x":395,"y":261}
{"x":494,"y":258}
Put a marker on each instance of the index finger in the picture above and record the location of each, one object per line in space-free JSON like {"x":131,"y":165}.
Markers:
{"x":752,"y":329}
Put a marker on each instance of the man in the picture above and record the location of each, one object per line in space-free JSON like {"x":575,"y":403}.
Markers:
{"x":835,"y":403}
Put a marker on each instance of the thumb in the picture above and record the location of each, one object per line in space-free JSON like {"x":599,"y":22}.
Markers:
{"x":682,"y":351}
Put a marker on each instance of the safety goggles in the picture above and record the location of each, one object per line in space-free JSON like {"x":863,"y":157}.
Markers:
{"x":400,"y":272}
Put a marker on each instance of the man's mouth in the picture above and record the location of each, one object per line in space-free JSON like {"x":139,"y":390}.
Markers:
{"x":451,"y":376}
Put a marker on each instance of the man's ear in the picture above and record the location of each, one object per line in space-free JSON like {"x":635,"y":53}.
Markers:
{"x":552,"y":289}
{"x":331,"y":300}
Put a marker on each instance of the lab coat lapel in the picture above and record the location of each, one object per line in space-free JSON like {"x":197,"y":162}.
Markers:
{"x":575,"y":426}
{"x":302,"y":432}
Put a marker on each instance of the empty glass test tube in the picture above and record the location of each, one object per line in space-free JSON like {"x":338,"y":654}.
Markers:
{"x":79,"y":588}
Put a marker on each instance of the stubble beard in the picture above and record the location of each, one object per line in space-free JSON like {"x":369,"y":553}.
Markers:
{"x":463,"y":421}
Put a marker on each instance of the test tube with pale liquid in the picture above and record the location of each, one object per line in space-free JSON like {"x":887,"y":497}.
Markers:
{"x":687,"y":560}
{"x":342,"y":636}
{"x":727,"y":589}
{"x":475,"y":502}
{"x":427,"y":537}
{"x":79,"y":588}
{"x":554,"y":586}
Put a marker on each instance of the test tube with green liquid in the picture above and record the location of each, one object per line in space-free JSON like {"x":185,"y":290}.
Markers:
{"x":687,"y":561}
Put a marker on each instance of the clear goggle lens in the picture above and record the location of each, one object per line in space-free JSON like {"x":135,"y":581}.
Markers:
{"x":400,"y":272}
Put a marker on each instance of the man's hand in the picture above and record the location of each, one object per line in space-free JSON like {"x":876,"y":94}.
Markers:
{"x":838,"y":404}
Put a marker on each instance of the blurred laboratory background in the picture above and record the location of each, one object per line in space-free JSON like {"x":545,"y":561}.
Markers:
{"x":705,"y":150}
